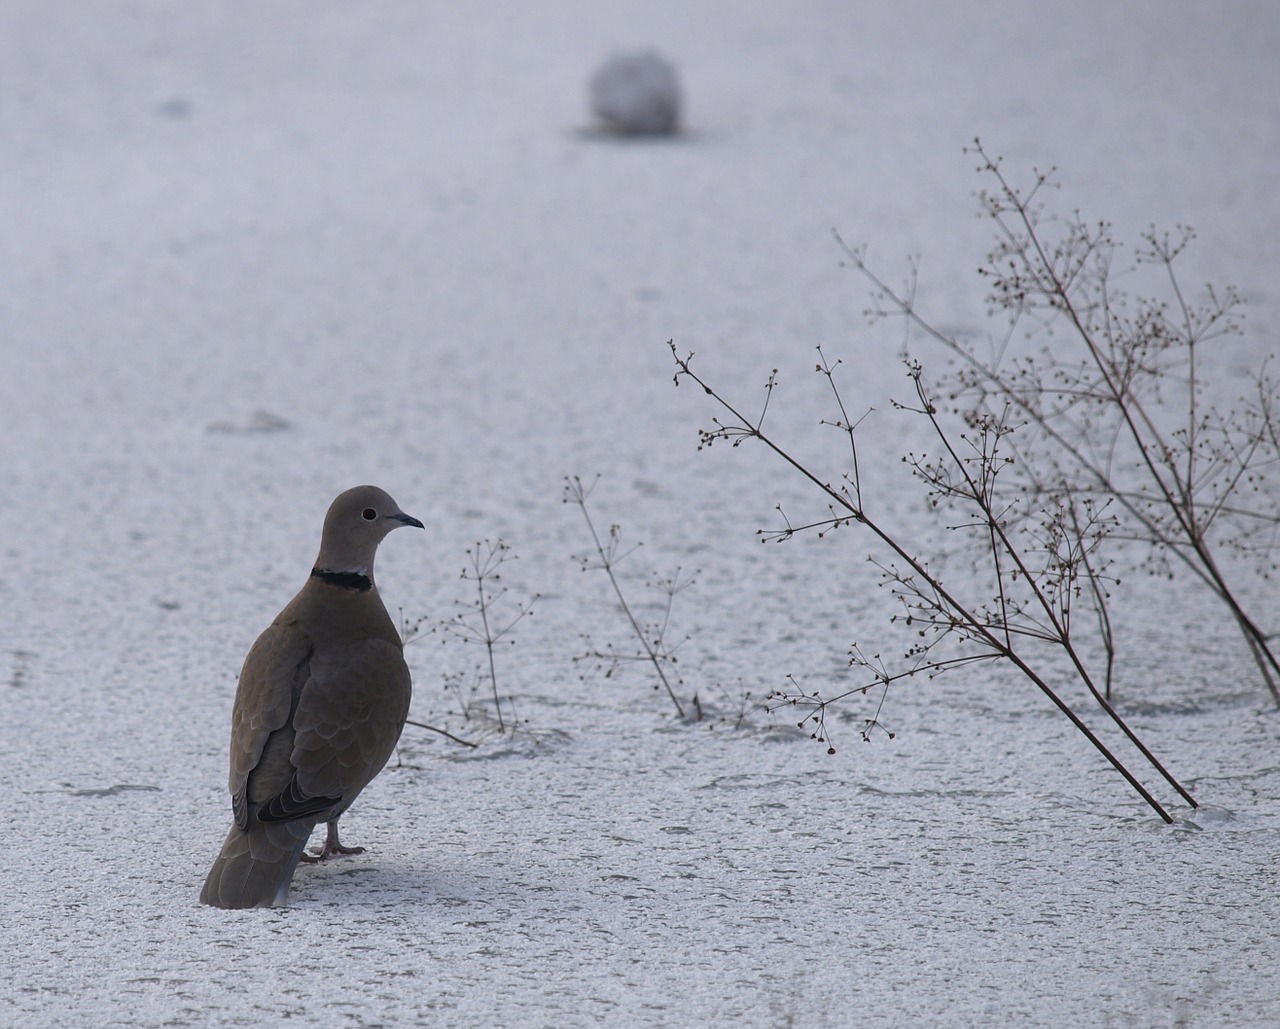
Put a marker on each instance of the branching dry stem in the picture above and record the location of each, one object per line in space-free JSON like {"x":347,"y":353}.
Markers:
{"x":654,"y":647}
{"x":1031,"y":603}
{"x":1121,"y":419}
{"x":476,"y":622}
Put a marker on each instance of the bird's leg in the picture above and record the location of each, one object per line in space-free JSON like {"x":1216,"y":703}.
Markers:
{"x":332,"y":845}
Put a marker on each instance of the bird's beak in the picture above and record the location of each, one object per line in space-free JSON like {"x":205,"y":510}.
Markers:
{"x":405,"y":519}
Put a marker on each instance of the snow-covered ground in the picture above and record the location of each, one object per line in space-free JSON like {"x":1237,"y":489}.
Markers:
{"x":254,"y":254}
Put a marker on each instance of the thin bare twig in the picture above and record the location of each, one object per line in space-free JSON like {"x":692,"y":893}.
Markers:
{"x":654,"y":647}
{"x":476,"y":621}
{"x":966,"y":478}
{"x":1097,"y":420}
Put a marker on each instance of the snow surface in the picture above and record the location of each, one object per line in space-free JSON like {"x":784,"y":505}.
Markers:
{"x":254,"y":254}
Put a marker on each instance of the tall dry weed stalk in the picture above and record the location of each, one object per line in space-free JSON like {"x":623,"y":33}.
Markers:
{"x":1111,"y":394}
{"x":486,"y":620}
{"x":1020,"y":603}
{"x":652,"y":638}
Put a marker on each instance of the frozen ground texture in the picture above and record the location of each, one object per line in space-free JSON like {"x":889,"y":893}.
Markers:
{"x":254,"y":254}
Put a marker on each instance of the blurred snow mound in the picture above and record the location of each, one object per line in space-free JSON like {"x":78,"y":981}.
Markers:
{"x":637,"y":93}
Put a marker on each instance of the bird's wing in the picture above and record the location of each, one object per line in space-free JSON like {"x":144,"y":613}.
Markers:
{"x":349,"y":717}
{"x":271,"y":682}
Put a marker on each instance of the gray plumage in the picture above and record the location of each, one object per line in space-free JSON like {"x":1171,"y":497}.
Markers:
{"x":321,"y":701}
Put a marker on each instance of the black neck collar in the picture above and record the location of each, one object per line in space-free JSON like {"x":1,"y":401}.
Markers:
{"x":343,"y":580}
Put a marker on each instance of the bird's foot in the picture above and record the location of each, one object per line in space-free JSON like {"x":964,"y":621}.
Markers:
{"x":332,"y":845}
{"x":325,"y":852}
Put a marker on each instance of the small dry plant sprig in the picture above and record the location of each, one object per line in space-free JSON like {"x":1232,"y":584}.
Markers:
{"x":486,"y":620}
{"x":411,"y":632}
{"x":1113,"y":394}
{"x":653,"y":639}
{"x":1033,"y":573}
{"x":814,"y":707}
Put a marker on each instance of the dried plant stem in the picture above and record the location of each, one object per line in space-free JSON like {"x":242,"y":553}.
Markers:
{"x":1186,"y":481}
{"x":443,"y":732}
{"x":997,"y":633}
{"x":475,"y":623}
{"x":653,"y":650}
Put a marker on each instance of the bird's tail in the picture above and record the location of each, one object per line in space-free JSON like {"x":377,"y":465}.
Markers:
{"x":256,"y":865}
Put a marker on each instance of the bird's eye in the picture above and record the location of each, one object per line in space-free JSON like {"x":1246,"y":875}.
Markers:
{"x":368,"y":514}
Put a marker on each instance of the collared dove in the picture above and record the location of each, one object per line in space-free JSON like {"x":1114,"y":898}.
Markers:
{"x":322,"y":698}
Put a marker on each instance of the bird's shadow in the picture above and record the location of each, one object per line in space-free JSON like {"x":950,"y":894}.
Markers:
{"x":368,"y":884}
